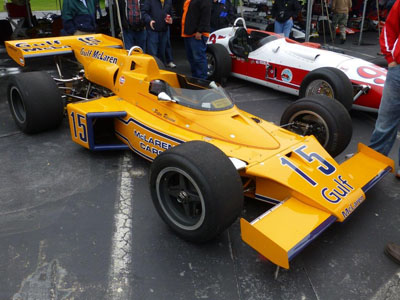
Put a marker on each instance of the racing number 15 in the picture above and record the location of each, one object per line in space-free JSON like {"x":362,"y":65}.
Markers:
{"x":79,"y":126}
{"x":325,"y":168}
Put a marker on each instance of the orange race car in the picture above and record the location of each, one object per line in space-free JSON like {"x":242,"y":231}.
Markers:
{"x":207,"y":154}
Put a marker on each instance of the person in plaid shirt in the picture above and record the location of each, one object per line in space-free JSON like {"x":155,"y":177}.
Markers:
{"x":133,"y":29}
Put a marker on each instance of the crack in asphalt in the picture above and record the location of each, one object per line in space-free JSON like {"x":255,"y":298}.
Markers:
{"x":311,"y":283}
{"x":121,"y":252}
{"x":233,"y":257}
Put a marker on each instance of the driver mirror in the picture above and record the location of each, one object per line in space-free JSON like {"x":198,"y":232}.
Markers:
{"x":213,"y":85}
{"x":157,"y":86}
{"x":163,"y":96}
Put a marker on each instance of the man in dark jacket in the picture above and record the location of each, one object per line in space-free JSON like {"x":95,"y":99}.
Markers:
{"x":222,"y":14}
{"x":157,"y":15}
{"x":132,"y":23}
{"x":78,"y":17}
{"x":284,"y":11}
{"x":195,"y":31}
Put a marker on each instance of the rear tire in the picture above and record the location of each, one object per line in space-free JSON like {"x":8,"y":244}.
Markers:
{"x":5,"y":31}
{"x":35,"y":102}
{"x":196,"y":190}
{"x":328,"y":81}
{"x":159,"y":62}
{"x":381,"y":62}
{"x":219,"y":63}
{"x":323,"y":117}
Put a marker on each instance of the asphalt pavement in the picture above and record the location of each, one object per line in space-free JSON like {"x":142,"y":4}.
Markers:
{"x":69,"y":231}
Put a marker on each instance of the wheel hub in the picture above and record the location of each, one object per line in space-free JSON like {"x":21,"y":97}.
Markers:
{"x":183,"y":197}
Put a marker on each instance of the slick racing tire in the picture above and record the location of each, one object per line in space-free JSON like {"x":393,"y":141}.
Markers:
{"x":35,"y":102}
{"x":5,"y":31}
{"x":159,"y":62}
{"x":380,"y":62}
{"x":328,"y":81}
{"x":196,"y":190}
{"x":323,"y":117}
{"x":219,"y":63}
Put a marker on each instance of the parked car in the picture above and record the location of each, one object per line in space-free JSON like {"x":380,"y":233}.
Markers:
{"x":295,"y":68}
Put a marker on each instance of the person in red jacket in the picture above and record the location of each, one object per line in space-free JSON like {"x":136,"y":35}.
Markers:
{"x":387,"y":123}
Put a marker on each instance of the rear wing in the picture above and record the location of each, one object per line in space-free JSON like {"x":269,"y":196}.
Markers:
{"x":21,"y":50}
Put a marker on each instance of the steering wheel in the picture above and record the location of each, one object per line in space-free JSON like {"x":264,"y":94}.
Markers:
{"x":135,"y":49}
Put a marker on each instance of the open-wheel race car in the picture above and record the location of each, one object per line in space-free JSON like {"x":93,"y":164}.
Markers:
{"x":206,"y":153}
{"x":286,"y":65}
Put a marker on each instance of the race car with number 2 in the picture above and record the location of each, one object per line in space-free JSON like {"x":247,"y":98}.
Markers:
{"x":295,"y":68}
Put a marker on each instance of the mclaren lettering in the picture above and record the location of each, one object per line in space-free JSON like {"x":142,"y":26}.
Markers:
{"x":101,"y":56}
{"x":348,"y":210}
{"x":151,"y":144}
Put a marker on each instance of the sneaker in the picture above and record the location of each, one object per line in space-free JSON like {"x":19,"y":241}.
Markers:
{"x":342,"y":41}
{"x":171,"y":65}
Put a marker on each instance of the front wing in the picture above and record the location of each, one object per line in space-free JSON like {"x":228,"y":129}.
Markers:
{"x":282,"y":232}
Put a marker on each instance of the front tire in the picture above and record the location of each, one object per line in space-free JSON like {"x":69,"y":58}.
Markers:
{"x":219,"y":63}
{"x":196,"y":190}
{"x":323,"y":117}
{"x":328,"y":81}
{"x":35,"y":102}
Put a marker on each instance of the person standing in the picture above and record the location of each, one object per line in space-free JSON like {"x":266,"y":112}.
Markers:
{"x":388,"y":120}
{"x":195,"y":31}
{"x":284,"y":11}
{"x":78,"y":17}
{"x":340,"y":9}
{"x":157,"y":15}
{"x":222,"y":14}
{"x":168,"y":51}
{"x":133,"y":28}
{"x":98,"y":9}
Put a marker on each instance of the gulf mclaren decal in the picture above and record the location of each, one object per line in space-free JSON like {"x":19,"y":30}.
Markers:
{"x":32,"y":49}
{"x":97,"y":54}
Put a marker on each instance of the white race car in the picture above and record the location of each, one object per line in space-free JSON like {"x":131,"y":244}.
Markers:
{"x":302,"y":69}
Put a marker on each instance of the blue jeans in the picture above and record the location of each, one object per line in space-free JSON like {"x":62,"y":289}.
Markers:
{"x":284,"y":27}
{"x":388,"y":120}
{"x":196,"y":55}
{"x":156,"y":44}
{"x":134,"y":38}
{"x":168,"y":48}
